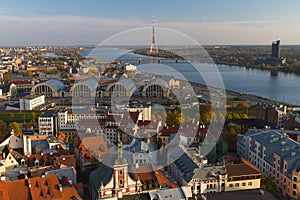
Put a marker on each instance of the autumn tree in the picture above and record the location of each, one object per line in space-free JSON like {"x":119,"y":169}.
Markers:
{"x":242,"y":104}
{"x":6,"y":77}
{"x":174,"y":118}
{"x":230,"y":135}
{"x":205,"y":114}
{"x":47,"y":71}
{"x":29,"y":73}
{"x":11,"y":116}
{"x":3,"y":128}
{"x":16,"y":127}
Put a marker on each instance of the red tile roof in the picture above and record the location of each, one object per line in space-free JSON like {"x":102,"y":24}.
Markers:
{"x":37,"y":137}
{"x":39,"y":188}
{"x":62,"y":137}
{"x":94,"y":145}
{"x":146,"y":175}
{"x":168,"y":130}
{"x":45,"y":187}
{"x":70,"y":193}
{"x":164,"y":180}
{"x":11,"y":188}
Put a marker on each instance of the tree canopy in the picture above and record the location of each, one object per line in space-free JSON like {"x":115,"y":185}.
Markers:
{"x":16,"y":127}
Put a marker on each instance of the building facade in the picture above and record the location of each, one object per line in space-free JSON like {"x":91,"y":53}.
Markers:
{"x":276,"y":155}
{"x":30,"y":103}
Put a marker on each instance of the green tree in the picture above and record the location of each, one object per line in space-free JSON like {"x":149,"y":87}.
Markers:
{"x":268,"y":184}
{"x":230,"y":135}
{"x":16,"y":127}
{"x":3,"y":128}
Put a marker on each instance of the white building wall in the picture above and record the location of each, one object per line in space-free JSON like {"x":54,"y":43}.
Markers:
{"x":30,"y":104}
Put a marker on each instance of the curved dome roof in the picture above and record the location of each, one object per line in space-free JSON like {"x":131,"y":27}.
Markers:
{"x":92,"y":83}
{"x":121,"y":161}
{"x":55,"y":84}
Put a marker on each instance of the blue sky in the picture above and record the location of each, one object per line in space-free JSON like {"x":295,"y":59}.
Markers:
{"x":207,"y":21}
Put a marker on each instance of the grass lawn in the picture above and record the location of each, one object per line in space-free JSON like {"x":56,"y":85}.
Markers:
{"x":17,"y":115}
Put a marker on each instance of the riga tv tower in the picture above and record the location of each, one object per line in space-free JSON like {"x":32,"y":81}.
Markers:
{"x":153,"y":48}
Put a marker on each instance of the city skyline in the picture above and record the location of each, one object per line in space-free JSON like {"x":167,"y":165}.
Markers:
{"x":89,"y":23}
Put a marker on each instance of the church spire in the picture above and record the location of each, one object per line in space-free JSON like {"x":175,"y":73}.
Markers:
{"x":120,"y":144}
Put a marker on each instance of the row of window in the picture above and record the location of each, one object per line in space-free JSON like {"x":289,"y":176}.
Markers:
{"x":231,"y":185}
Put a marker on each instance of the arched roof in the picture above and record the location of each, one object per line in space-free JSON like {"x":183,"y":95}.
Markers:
{"x":55,"y":84}
{"x":127,"y":83}
{"x":92,"y":83}
{"x":161,"y":82}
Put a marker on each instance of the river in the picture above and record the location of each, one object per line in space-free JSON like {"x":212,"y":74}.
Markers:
{"x":284,"y":87}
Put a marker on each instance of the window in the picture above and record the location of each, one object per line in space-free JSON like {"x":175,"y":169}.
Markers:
{"x":237,"y":185}
{"x":121,"y":172}
{"x":121,"y":182}
{"x":244,"y":184}
{"x":249,"y":183}
{"x":230,"y":185}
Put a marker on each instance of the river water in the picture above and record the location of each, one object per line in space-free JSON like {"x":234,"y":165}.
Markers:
{"x":284,"y":87}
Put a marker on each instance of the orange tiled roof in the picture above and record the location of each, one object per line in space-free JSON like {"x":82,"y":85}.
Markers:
{"x":45,"y":187}
{"x":37,"y":137}
{"x":62,"y":137}
{"x":146,"y":174}
{"x":20,"y":186}
{"x":164,"y":180}
{"x":70,"y":193}
{"x":39,"y":188}
{"x":95,"y":145}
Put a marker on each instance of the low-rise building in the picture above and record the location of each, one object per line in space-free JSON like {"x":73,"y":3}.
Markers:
{"x":48,"y":123}
{"x":31,"y":102}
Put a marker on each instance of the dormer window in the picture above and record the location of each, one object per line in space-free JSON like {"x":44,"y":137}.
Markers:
{"x":36,"y":163}
{"x":22,"y":162}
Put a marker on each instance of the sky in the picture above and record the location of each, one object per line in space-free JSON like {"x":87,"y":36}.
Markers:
{"x":63,"y":22}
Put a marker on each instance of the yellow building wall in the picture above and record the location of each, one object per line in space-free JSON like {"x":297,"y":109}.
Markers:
{"x":255,"y":185}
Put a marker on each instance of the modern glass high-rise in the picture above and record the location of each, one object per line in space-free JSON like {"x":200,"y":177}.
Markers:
{"x":276,"y":49}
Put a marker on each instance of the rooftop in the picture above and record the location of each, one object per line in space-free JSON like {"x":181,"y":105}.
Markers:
{"x":241,"y":169}
{"x":245,"y":195}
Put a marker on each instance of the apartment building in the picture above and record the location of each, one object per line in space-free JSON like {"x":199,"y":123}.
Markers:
{"x":276,"y":155}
